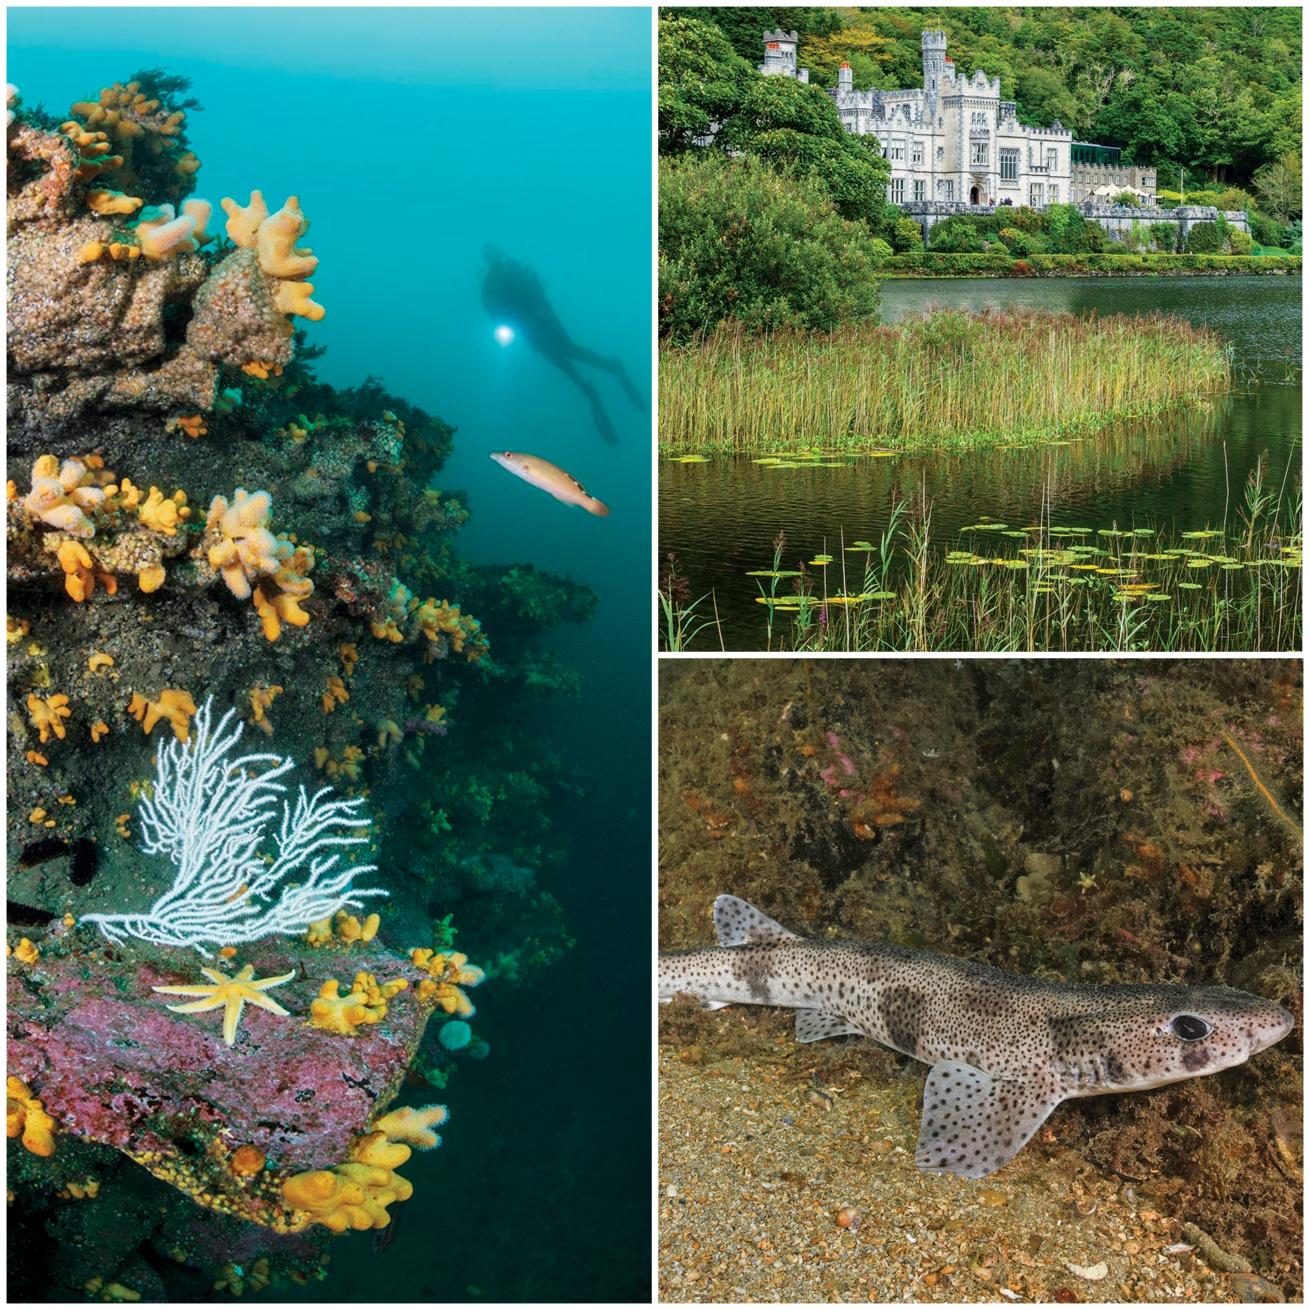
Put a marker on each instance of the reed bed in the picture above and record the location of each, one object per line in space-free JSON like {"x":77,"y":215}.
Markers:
{"x":948,"y":380}
{"x":1043,"y":586}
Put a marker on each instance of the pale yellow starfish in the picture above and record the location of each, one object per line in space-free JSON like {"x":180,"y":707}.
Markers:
{"x":230,"y":993}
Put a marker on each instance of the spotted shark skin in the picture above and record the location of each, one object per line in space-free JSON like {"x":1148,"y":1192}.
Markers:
{"x":1004,"y":1049}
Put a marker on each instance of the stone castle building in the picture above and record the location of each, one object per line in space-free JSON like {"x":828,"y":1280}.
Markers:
{"x":955,"y":142}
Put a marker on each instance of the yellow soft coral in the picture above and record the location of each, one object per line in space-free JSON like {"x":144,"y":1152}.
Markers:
{"x":366,"y":1003}
{"x":27,"y":950}
{"x":101,"y":200}
{"x":138,"y":126}
{"x":61,"y":496}
{"x":246,"y":549}
{"x":81,"y":573}
{"x":355,"y":1194}
{"x":276,"y":242}
{"x":25,"y":1114}
{"x":278,"y":607}
{"x":173,"y":704}
{"x":162,"y":232}
{"x":261,"y":697}
{"x":335,"y":694}
{"x":449,"y":973}
{"x":243,"y":220}
{"x":48,"y":716}
{"x":151,"y":578}
{"x":294,"y":298}
{"x":349,"y":766}
{"x":344,"y":928}
{"x":190,"y":425}
{"x":240,"y":547}
{"x":162,"y":513}
{"x":274,"y":237}
{"x":413,"y":1125}
{"x":440,"y":623}
{"x":115,"y":251}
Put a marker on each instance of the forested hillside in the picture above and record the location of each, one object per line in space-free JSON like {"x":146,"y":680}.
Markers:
{"x":1215,"y":90}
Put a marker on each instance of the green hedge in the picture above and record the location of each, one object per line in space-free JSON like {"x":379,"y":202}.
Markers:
{"x":939,"y":264}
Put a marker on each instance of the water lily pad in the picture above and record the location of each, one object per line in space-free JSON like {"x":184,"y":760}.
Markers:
{"x":1159,"y":595}
{"x":1202,"y":535}
{"x":692,"y":459}
{"x":821,"y":559}
{"x":1191,"y":586}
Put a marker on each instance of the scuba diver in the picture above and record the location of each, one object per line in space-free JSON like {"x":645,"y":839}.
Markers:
{"x":514,"y":296}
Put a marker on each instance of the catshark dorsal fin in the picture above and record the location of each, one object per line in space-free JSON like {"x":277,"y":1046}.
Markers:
{"x":972,"y":1123}
{"x":740,"y":924}
{"x":815,"y":1025}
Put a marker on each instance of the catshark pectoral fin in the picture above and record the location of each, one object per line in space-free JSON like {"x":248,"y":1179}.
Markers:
{"x":815,"y":1025}
{"x":741,"y":924}
{"x":972,"y":1123}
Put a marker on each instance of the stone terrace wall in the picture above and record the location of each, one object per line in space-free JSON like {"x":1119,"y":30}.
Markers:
{"x":1116,"y":219}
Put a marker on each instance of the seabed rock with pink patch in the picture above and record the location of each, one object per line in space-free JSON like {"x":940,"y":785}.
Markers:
{"x":113,"y":1065}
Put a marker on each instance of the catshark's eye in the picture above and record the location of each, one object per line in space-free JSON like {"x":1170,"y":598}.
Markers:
{"x":1190,"y":1028}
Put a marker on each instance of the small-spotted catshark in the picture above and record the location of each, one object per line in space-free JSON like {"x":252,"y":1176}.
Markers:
{"x":1005,"y":1050}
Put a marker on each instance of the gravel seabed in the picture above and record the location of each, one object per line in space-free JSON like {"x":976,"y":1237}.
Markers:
{"x":787,"y":1174}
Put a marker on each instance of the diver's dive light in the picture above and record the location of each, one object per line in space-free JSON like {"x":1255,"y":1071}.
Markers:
{"x":504,"y":334}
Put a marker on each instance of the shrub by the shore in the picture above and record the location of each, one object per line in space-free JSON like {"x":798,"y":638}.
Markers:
{"x":740,"y":241}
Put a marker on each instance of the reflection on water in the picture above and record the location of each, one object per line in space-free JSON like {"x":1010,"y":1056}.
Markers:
{"x":1176,"y":473}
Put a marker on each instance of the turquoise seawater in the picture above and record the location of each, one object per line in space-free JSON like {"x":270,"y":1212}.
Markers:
{"x":414,"y":138}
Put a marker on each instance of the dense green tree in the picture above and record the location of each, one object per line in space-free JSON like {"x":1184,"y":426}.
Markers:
{"x":739,"y":240}
{"x":707,"y":88}
{"x":1279,"y":187}
{"x":745,"y":27}
{"x":789,"y":123}
{"x":702,"y":80}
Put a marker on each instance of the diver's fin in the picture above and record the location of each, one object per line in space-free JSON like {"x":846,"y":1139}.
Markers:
{"x":815,"y":1025}
{"x":739,"y":924}
{"x":972,"y":1123}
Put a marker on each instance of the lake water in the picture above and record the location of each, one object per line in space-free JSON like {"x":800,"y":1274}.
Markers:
{"x":1175,"y":474}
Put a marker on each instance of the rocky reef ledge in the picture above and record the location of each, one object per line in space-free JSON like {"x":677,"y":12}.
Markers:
{"x":192,"y":516}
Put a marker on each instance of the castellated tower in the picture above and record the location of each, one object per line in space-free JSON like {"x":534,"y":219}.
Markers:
{"x":934,"y":61}
{"x":780,"y":56}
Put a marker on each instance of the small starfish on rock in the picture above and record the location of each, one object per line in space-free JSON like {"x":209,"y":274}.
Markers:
{"x":231,"y":994}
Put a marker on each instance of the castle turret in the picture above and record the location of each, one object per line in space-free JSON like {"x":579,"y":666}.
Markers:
{"x":780,"y":56}
{"x":934,"y":60}
{"x":844,"y":82}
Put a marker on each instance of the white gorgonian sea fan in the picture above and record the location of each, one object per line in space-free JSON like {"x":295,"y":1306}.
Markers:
{"x":238,"y":878}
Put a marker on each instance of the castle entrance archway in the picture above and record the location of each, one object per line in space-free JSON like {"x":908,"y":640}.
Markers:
{"x":973,"y":196}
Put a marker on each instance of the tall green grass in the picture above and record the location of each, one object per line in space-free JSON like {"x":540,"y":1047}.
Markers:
{"x":949,"y":380}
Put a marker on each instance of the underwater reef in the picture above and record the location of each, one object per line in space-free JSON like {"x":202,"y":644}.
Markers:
{"x":195,"y":519}
{"x":1100,"y":821}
